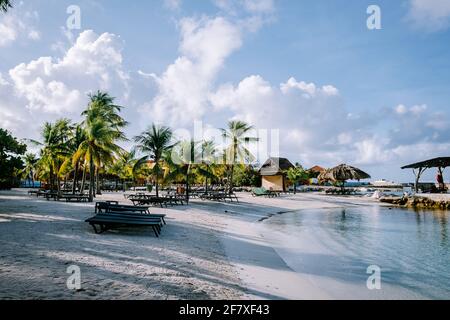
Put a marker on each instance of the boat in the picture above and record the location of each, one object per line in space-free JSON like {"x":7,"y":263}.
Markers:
{"x":385,"y":183}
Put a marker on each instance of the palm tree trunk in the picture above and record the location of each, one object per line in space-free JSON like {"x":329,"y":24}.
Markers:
{"x":232,"y":169}
{"x":91,"y":180}
{"x":75,"y":176}
{"x":206,"y":179}
{"x":157,"y":186}
{"x":32,"y":179}
{"x":58,"y":184}
{"x":187,"y":183}
{"x":83,"y":179}
{"x":230,"y":184}
{"x":51,"y":177}
{"x":97,"y":176}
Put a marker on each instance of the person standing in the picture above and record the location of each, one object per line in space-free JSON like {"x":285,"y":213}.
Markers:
{"x":440,"y":180}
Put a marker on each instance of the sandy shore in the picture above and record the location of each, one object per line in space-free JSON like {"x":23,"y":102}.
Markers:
{"x":207,"y":251}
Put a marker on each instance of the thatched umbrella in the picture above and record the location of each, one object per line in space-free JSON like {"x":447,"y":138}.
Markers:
{"x":343,"y":173}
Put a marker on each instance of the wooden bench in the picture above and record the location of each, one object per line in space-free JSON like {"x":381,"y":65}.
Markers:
{"x":151,"y":201}
{"x":112,"y":207}
{"x":74,"y":197}
{"x":219,"y":197}
{"x":108,"y":221}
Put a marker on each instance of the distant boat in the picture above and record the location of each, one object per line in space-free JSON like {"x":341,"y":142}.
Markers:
{"x":385,"y":183}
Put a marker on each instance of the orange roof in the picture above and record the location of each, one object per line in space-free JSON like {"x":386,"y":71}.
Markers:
{"x":318,"y":169}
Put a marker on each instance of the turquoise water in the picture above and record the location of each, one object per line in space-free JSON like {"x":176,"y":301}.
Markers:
{"x":334,"y":247}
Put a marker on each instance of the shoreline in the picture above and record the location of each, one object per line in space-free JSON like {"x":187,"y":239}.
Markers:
{"x":208,"y":250}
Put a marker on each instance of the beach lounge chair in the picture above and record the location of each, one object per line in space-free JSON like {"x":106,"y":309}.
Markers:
{"x":73,"y":197}
{"x":106,"y":221}
{"x":263,"y":192}
{"x":113,"y":207}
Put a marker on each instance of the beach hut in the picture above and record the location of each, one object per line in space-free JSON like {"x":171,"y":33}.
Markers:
{"x":273,"y":174}
{"x":342,"y":173}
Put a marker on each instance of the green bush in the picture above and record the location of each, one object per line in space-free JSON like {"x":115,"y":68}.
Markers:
{"x":10,"y":160}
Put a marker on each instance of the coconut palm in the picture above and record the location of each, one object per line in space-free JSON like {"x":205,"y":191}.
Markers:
{"x":153,"y":143}
{"x":99,"y":147}
{"x":123,"y":167}
{"x":105,"y":109}
{"x":29,"y":171}
{"x":70,"y":165}
{"x":78,"y":137}
{"x":102,"y":121}
{"x":54,"y":148}
{"x":5,"y":5}
{"x":184,"y":156}
{"x":209,"y":157}
{"x":237,"y":151}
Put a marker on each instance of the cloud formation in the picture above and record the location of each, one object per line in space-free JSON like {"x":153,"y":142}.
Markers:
{"x":184,"y":87}
{"x":19,"y":24}
{"x":430,"y":15}
{"x":48,"y":87}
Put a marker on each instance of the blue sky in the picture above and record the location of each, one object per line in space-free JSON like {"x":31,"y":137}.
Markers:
{"x":335,"y":90}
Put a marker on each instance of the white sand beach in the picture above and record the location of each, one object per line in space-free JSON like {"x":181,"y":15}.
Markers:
{"x":207,"y":250}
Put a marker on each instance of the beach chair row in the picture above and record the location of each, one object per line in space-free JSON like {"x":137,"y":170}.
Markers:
{"x":164,"y":201}
{"x":57,"y":196}
{"x":219,"y":196}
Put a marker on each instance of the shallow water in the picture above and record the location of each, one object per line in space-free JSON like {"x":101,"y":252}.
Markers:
{"x":334,"y":247}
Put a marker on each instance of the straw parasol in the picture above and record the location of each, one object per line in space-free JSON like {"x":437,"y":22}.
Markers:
{"x":343,"y":173}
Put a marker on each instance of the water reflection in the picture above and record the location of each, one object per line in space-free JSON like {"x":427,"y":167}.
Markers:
{"x":411,"y":247}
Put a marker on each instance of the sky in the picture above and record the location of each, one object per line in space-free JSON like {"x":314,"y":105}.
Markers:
{"x":309,"y":72}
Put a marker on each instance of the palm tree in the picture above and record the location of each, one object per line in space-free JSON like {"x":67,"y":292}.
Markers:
{"x":208,"y":162}
{"x":102,"y":121}
{"x":77,"y":139}
{"x":5,"y":5}
{"x":184,"y":157}
{"x":123,"y":167}
{"x":54,"y":148}
{"x":98,"y":147}
{"x":29,"y":171}
{"x":237,"y":134}
{"x":153,"y":143}
{"x":70,"y":164}
{"x":105,"y":109}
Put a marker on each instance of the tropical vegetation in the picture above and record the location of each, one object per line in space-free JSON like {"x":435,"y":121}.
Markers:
{"x":11,"y":163}
{"x":5,"y":5}
{"x":89,"y":156}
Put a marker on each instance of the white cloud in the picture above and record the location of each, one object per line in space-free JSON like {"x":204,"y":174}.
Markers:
{"x":259,"y":6}
{"x":183,"y":88}
{"x":309,"y":89}
{"x":17,"y":24}
{"x":173,"y":4}
{"x":48,"y":88}
{"x":431,"y":15}
{"x":415,"y":110}
{"x":60,"y":85}
{"x":249,"y":6}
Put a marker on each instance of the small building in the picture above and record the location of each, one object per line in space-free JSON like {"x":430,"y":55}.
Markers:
{"x":273,"y":176}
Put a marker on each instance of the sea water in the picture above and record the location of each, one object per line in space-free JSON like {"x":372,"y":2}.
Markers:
{"x":333,"y":249}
